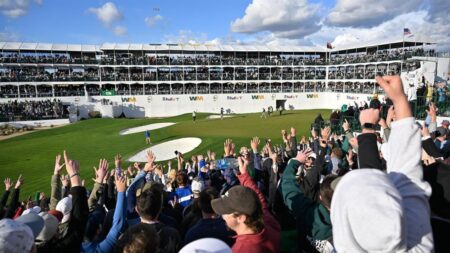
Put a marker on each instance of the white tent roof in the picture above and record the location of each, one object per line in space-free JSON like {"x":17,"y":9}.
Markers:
{"x":16,"y":46}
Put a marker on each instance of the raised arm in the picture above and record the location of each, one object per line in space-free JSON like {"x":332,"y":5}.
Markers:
{"x":100,"y":174}
{"x":293,"y":197}
{"x":368,"y":155}
{"x":110,"y":241}
{"x":405,"y":170}
{"x":55,"y":194}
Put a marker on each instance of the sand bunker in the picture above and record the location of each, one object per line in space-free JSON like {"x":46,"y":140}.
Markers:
{"x":145,"y":128}
{"x":166,"y":150}
{"x":218,"y":116}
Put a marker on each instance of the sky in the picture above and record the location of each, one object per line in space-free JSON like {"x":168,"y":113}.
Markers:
{"x":266,"y":22}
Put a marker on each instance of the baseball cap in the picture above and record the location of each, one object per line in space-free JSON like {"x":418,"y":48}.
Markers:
{"x":15,"y":237}
{"x":34,"y":221}
{"x":210,"y":245}
{"x":50,"y":227}
{"x":57,"y":214}
{"x":445,"y":123}
{"x":237,"y":199}
{"x":197,"y":185}
{"x":65,"y":207}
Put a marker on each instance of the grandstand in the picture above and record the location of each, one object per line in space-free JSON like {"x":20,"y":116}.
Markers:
{"x":147,"y":80}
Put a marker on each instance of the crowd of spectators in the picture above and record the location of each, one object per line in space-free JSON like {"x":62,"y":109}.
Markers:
{"x":39,"y":74}
{"x":32,"y":110}
{"x":224,"y":58}
{"x":372,"y":192}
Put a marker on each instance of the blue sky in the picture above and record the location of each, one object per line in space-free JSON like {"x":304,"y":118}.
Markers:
{"x":277,"y":22}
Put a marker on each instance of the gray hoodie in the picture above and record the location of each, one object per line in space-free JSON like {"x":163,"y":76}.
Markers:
{"x":372,"y":211}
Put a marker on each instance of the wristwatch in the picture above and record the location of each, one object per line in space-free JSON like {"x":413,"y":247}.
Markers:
{"x":368,"y":126}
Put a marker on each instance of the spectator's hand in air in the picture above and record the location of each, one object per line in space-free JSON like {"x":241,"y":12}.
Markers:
{"x":254,"y":143}
{"x":228,"y":147}
{"x":393,"y":87}
{"x":243,"y":164}
{"x":121,"y":183}
{"x":19,"y":182}
{"x":102,"y":170}
{"x":58,"y":165}
{"x":303,"y":155}
{"x":8,"y":183}
{"x":117,"y":161}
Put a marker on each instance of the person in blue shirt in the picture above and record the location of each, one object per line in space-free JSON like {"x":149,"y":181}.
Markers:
{"x":147,"y":137}
{"x":110,"y":241}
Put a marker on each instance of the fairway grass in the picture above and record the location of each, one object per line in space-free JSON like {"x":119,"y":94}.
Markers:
{"x":33,"y":154}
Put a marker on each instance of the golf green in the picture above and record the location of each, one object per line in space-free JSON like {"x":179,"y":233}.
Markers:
{"x":33,"y":154}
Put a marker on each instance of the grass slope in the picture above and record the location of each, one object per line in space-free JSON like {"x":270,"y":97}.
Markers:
{"x":33,"y":154}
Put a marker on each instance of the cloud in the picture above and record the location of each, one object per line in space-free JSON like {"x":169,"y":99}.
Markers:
{"x":107,"y":13}
{"x":16,"y":8}
{"x":120,"y":30}
{"x":152,"y":21}
{"x":422,"y":29}
{"x":439,"y":10}
{"x":367,"y":13}
{"x":9,"y":36}
{"x":286,"y":18}
{"x":186,"y":37}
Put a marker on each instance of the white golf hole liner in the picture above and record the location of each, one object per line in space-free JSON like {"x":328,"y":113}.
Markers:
{"x":145,"y":128}
{"x":166,"y":150}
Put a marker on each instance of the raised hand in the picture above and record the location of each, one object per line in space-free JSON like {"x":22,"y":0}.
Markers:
{"x":19,"y":182}
{"x":243,"y":164}
{"x":58,"y":165}
{"x":303,"y":155}
{"x":72,"y":167}
{"x":137,"y":166}
{"x":121,"y":183}
{"x":431,"y":111}
{"x":254,"y":143}
{"x":8,"y":183}
{"x":325,"y":133}
{"x":227,"y":147}
{"x":150,"y":157}
{"x":65,"y":181}
{"x":102,"y":170}
{"x":371,"y":116}
{"x":73,"y":170}
{"x":117,"y":160}
{"x":393,"y":87}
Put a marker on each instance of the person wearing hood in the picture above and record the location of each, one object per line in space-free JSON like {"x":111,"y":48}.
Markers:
{"x":373,"y":211}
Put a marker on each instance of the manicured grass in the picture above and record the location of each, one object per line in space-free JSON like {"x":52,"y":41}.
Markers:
{"x":33,"y":154}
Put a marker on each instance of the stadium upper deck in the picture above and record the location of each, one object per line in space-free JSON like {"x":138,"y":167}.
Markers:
{"x":57,"y":70}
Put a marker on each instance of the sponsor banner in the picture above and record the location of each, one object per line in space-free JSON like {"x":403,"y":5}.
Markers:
{"x":234,"y":97}
{"x":313,"y":95}
{"x":352,"y":97}
{"x":129,"y":99}
{"x":258,"y":97}
{"x":196,"y":98}
{"x":290,"y":96}
{"x":108,"y":92}
{"x":170,"y":99}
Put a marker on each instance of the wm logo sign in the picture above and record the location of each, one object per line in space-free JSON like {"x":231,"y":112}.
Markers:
{"x":257,"y":96}
{"x":312,"y":95}
{"x":196,"y":98}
